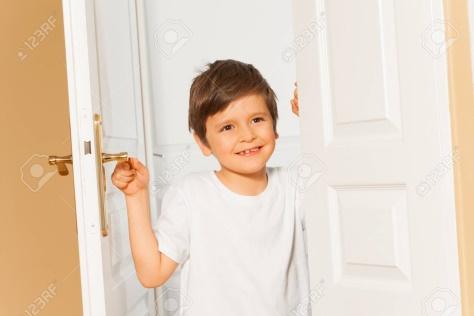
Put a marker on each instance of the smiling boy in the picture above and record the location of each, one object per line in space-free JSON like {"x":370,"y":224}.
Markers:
{"x":238,"y":232}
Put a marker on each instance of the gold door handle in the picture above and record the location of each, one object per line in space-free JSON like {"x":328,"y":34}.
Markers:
{"x":60,"y":162}
{"x":123,"y":156}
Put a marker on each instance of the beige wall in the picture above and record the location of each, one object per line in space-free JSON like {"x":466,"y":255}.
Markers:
{"x":462,"y":117}
{"x":38,"y":241}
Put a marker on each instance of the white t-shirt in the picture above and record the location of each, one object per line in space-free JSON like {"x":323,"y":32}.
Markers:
{"x":240,"y":255}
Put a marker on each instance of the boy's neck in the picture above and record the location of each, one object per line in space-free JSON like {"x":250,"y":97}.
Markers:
{"x":245,"y":184}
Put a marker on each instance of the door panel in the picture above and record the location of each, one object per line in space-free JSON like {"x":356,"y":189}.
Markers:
{"x":374,"y":109}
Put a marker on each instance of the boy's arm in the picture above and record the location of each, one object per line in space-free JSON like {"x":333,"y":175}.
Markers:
{"x":153,"y":267}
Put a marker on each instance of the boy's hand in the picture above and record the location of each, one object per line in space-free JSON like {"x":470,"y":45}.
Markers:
{"x":294,"y":102}
{"x":130,"y":176}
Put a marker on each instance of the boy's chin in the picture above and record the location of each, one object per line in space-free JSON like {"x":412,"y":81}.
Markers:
{"x":247,"y":169}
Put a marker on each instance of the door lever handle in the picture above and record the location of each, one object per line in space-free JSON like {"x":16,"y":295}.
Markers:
{"x":60,"y":162}
{"x":122,"y":156}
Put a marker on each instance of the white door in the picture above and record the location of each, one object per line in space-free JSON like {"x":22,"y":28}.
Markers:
{"x":104,"y":80}
{"x":375,"y":116}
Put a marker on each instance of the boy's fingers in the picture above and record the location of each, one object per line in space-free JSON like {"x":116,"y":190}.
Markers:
{"x":134,"y":163}
{"x":126,"y":173}
{"x":123,"y":165}
{"x":137,"y":165}
{"x":294,"y":107}
{"x":120,"y":184}
{"x":123,"y":175}
{"x":124,"y":178}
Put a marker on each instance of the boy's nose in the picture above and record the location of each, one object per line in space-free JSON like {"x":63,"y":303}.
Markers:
{"x":248,"y":134}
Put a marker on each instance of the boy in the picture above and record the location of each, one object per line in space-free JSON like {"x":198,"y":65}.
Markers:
{"x":237,"y":232}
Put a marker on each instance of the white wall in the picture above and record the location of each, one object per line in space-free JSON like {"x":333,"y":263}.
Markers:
{"x":183,"y":36}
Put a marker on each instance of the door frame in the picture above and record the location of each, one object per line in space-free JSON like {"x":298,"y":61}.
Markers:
{"x":461,"y":95}
{"x":81,"y":79}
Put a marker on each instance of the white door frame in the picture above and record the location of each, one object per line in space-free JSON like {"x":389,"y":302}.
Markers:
{"x":79,"y":59}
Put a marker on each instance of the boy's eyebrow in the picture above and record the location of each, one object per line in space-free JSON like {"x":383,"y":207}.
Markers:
{"x":259,"y":113}
{"x":230,"y":120}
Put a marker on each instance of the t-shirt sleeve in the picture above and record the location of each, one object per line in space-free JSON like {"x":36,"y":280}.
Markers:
{"x":172,"y":227}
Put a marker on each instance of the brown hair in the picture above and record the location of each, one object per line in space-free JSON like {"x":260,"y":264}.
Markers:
{"x":223,"y":82}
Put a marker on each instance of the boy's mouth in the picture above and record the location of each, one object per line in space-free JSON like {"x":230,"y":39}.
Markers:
{"x":250,"y":151}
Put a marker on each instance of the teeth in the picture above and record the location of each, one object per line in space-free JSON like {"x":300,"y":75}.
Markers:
{"x":244,"y":152}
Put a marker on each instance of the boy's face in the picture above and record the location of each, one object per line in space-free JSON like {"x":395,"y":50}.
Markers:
{"x":246,"y":123}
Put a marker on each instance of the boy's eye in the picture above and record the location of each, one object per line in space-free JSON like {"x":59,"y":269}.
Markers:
{"x":225,"y":128}
{"x":229,"y":127}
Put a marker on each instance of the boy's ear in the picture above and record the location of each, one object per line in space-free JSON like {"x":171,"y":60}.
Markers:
{"x":204,"y":149}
